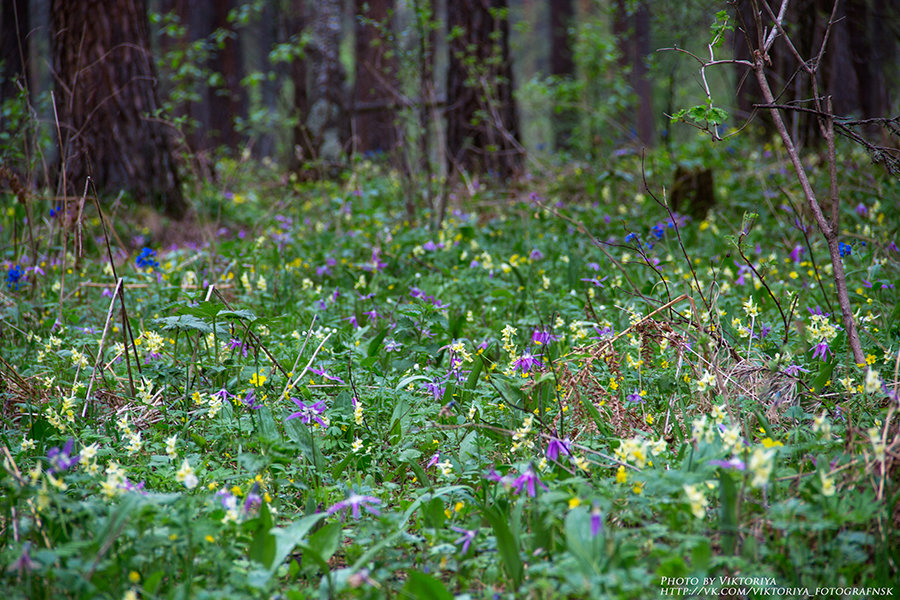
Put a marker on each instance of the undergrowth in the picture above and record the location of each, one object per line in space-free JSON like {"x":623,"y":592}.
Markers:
{"x":565,"y":391}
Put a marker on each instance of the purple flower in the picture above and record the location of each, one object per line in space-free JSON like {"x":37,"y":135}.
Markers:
{"x":433,"y":460}
{"x":250,"y":401}
{"x":436,"y":388}
{"x":308,"y":412}
{"x":732,"y":463}
{"x":596,"y":521}
{"x":527,"y":480}
{"x":429,"y":245}
{"x":635,"y":397}
{"x":822,"y":350}
{"x":62,"y":460}
{"x":555,"y":447}
{"x":861,"y":209}
{"x":354,"y":502}
{"x":535,"y":255}
{"x":236,"y":344}
{"x":466,"y":538}
{"x":24,"y":564}
{"x":253,"y":499}
{"x":222,"y":395}
{"x":526,"y":362}
{"x":796,"y":252}
{"x":323,"y":373}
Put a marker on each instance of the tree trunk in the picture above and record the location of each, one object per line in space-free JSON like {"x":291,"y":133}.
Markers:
{"x":107,"y":103}
{"x":376,"y":89}
{"x":482,"y":121}
{"x":14,"y":27}
{"x":303,"y":147}
{"x":562,"y":66}
{"x":327,"y":119}
{"x":857,"y":65}
{"x":632,"y":30}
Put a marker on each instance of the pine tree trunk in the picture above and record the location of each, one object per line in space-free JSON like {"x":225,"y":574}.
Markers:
{"x":632,"y":30}
{"x":107,"y":103}
{"x":482,"y":121}
{"x":376,"y":89}
{"x":14,"y":52}
{"x":327,"y":122}
{"x":562,"y":66}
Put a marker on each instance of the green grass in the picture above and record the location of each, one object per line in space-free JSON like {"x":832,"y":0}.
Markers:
{"x":431,"y":374}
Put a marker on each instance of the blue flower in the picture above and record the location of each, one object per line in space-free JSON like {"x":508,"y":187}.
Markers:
{"x":14,"y":277}
{"x":354,"y":502}
{"x":146,"y":260}
{"x":845,"y":249}
{"x":308,"y":412}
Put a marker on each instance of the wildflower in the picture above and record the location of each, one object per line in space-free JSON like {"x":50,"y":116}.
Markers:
{"x":187,"y":476}
{"x":526,"y":362}
{"x":250,"y":400}
{"x":237,"y":344}
{"x":356,"y":446}
{"x":14,"y":277}
{"x":761,"y":465}
{"x":845,"y":249}
{"x":24,"y":563}
{"x":732,"y":463}
{"x":433,"y":460}
{"x":62,"y":460}
{"x":134,"y":443}
{"x":446,"y":468}
{"x":621,"y":475}
{"x":354,"y":502}
{"x":822,"y":425}
{"x":873,"y":381}
{"x":751,"y":309}
{"x":466,"y":538}
{"x":253,"y":498}
{"x":828,"y":487}
{"x":596,"y":521}
{"x":27,"y":444}
{"x":697,"y":500}
{"x":555,"y":447}
{"x":170,"y":447}
{"x":636,"y":396}
{"x":528,"y":479}
{"x":146,"y":260}
{"x":821,"y":350}
{"x":309,"y":412}
{"x":706,"y":381}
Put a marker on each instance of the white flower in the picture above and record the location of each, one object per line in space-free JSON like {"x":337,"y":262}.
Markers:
{"x":873,"y":381}
{"x":187,"y":476}
{"x":761,"y":464}
{"x":697,"y":500}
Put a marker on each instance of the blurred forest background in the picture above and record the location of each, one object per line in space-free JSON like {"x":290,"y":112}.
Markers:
{"x":146,"y":95}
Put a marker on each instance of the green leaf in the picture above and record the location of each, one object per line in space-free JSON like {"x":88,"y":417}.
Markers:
{"x":183,"y":323}
{"x":262,"y":545}
{"x":506,"y":544}
{"x":425,"y":587}
{"x":287,"y":538}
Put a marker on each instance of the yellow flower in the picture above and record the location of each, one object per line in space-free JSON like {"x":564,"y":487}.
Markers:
{"x":621,"y":475}
{"x":828,"y":487}
{"x":770,"y":443}
{"x":134,"y":577}
{"x":574,"y":502}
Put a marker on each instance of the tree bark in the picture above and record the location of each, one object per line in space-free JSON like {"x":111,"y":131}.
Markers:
{"x":632,"y":30}
{"x":303,"y":147}
{"x":482,"y":120}
{"x":376,"y":87}
{"x":858,"y":61}
{"x":562,"y":66}
{"x":327,"y":120}
{"x":106,"y":102}
{"x":14,"y":27}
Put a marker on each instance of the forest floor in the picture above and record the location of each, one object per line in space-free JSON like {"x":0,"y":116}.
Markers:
{"x":564,"y":391}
